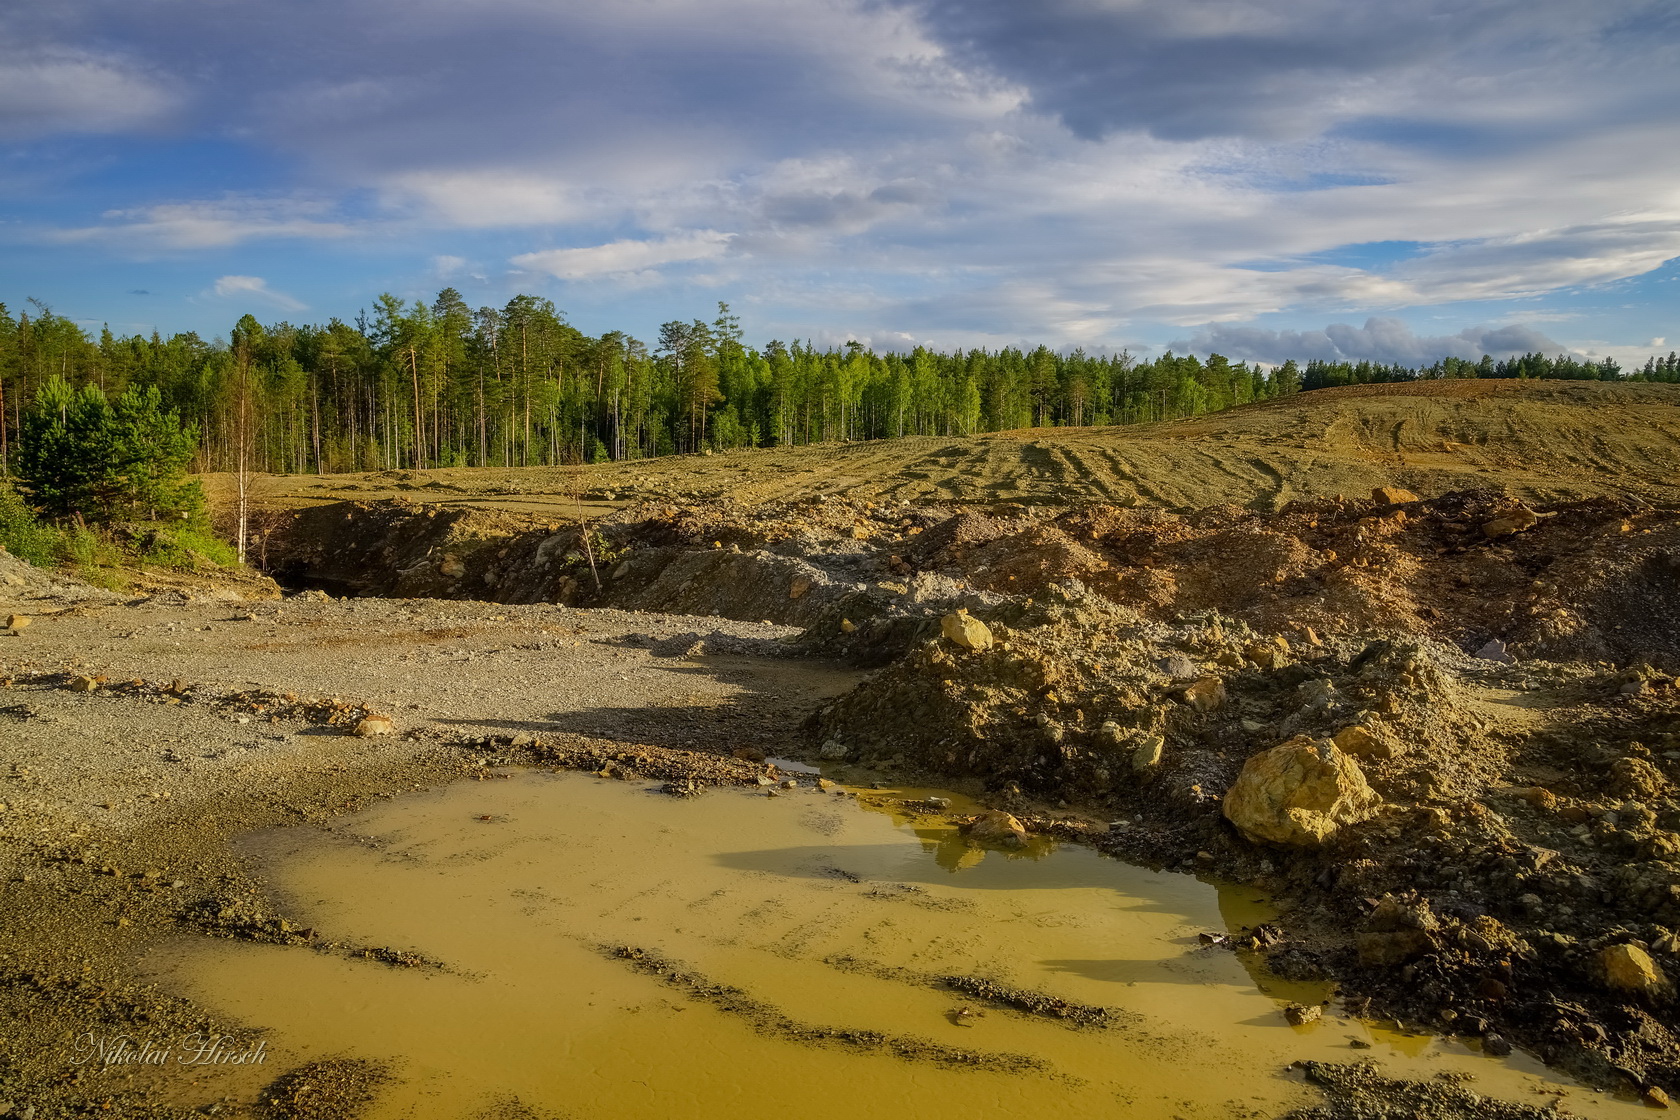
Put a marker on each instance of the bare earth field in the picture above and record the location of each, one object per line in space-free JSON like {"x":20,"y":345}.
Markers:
{"x":1399,"y":660}
{"x":1544,"y":440}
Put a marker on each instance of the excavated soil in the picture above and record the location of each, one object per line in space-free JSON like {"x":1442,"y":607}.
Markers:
{"x":1496,"y":650}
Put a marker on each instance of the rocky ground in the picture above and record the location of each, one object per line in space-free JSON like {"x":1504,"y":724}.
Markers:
{"x":1441,"y":726}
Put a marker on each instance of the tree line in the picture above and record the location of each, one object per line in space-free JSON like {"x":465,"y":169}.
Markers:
{"x":417,"y":385}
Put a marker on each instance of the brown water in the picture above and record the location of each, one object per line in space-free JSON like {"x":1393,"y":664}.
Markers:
{"x":766,"y":894}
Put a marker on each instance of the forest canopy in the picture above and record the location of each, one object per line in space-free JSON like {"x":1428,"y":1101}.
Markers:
{"x":443,"y":384}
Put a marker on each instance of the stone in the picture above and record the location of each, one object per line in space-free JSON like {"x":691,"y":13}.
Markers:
{"x":1495,"y":651}
{"x":824,"y":784}
{"x":84,"y":684}
{"x":1538,"y":796}
{"x":18,"y":621}
{"x":1205,"y":695}
{"x":1393,"y":496}
{"x":1362,"y":742}
{"x":995,"y":826}
{"x":1299,"y":793}
{"x":1518,"y":520}
{"x":1301,"y":1014}
{"x":832,"y":750}
{"x":1654,"y":1097}
{"x":748,"y":754}
{"x":1267,"y":655}
{"x":1180,"y":668}
{"x":374,"y":725}
{"x":939,"y":802}
{"x":966,"y":630}
{"x":847,"y":626}
{"x":1147,"y":754}
{"x":1628,"y":968}
{"x":799,"y":586}
{"x":1396,"y":932}
{"x":452,"y":567}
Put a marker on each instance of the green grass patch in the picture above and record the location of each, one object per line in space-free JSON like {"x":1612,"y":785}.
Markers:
{"x":100,"y":555}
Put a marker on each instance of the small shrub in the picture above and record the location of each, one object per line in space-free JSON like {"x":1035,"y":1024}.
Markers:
{"x":24,"y":535}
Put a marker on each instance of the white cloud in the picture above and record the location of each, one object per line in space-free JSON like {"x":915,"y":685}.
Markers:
{"x":247,"y":289}
{"x":487,"y":198}
{"x":55,"y":89}
{"x":210,"y":224}
{"x":625,"y":258}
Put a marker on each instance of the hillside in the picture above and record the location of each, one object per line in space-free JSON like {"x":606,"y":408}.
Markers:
{"x":1543,"y":440}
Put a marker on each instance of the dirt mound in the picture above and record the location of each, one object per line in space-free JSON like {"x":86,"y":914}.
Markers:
{"x":1082,"y":700}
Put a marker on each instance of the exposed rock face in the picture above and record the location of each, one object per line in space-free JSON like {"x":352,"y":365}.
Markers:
{"x":1628,"y":968}
{"x":1298,"y":793}
{"x":966,"y":630}
{"x":997,"y":827}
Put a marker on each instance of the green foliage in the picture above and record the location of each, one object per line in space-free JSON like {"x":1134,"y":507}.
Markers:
{"x":82,"y":455}
{"x":24,"y":535}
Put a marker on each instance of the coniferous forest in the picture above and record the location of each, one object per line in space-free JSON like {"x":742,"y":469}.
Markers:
{"x":418,"y":386}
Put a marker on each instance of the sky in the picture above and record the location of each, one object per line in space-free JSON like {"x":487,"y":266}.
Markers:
{"x":1396,"y":181}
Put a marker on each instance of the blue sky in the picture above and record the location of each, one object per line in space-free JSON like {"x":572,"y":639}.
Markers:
{"x":1397,"y":180}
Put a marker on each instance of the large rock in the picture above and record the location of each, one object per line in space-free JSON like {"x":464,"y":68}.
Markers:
{"x":1628,"y":968}
{"x":1299,"y":793}
{"x":1519,"y":520}
{"x":995,"y":826}
{"x":374,"y":724}
{"x":966,"y":630}
{"x":1393,"y":496}
{"x":1206,"y":695}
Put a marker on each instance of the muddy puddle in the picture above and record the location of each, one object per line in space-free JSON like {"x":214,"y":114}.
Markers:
{"x":608,"y":952}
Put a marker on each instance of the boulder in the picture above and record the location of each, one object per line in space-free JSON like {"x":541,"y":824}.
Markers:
{"x":1205,"y":695}
{"x":966,"y":630}
{"x":1299,"y":793}
{"x":1518,"y":520}
{"x":995,"y":826}
{"x":1147,"y":754}
{"x":374,"y":725}
{"x":1628,"y":968}
{"x":1303,"y":1014}
{"x":1393,"y":496}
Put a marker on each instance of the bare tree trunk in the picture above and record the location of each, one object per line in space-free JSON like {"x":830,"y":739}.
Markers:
{"x":419,"y":428}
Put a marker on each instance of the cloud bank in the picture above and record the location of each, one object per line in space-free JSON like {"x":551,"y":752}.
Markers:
{"x":1074,"y":170}
{"x":1381,"y":340}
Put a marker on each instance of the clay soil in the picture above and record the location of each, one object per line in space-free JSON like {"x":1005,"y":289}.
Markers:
{"x":660,"y":619}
